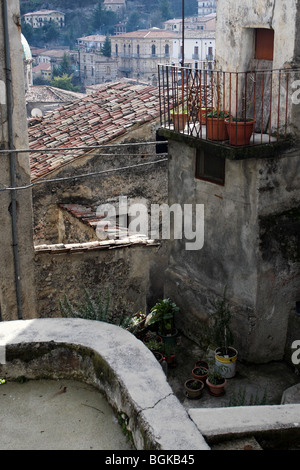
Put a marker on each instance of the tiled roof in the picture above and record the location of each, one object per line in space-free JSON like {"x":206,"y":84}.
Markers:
{"x":115,"y":236}
{"x":95,"y":245}
{"x":49,"y":94}
{"x":114,"y":1}
{"x":93,"y":37}
{"x":42,"y":12}
{"x":96,"y":119}
{"x":88,"y":216}
{"x":54,"y":53}
{"x":42,"y":66}
{"x":148,"y":33}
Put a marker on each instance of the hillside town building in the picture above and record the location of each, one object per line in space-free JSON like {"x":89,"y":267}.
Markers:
{"x":38,"y":19}
{"x":249,"y":189}
{"x":206,"y":7}
{"x":139,"y":52}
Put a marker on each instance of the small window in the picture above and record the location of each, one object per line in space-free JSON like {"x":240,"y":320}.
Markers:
{"x":210,"y":167}
{"x":264,"y":44}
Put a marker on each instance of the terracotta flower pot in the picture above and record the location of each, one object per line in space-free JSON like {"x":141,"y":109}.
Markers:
{"x":179,"y":121}
{"x":216,"y":129}
{"x":202,"y":114}
{"x":202,"y":363}
{"x":200,"y":373}
{"x":216,"y":389}
{"x":193,"y":391}
{"x":158,"y":356}
{"x":239,"y":132}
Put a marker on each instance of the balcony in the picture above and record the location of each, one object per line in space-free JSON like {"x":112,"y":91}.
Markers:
{"x":234,"y":109}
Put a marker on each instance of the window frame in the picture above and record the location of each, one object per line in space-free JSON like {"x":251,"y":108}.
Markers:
{"x":200,"y":154}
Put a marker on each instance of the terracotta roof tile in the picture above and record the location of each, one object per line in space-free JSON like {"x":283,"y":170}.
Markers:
{"x":95,"y":119}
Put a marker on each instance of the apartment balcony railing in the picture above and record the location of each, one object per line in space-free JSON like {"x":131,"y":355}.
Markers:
{"x":233,"y":108}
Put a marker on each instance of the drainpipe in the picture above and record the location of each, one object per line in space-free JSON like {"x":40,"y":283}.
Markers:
{"x":12,"y":156}
{"x":182,"y":26}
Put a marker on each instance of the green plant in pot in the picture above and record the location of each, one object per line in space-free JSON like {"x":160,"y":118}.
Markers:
{"x":179,"y":118}
{"x":215,"y":382}
{"x":162,"y":316}
{"x":193,"y":388}
{"x":200,"y":373}
{"x":225,"y":353}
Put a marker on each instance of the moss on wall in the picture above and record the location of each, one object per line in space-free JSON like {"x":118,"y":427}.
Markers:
{"x":279,"y":233}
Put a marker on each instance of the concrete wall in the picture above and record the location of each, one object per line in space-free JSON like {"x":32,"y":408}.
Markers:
{"x":261,"y":285}
{"x":17,"y":139}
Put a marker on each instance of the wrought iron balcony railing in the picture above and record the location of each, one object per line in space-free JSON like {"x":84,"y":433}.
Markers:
{"x":233,"y":108}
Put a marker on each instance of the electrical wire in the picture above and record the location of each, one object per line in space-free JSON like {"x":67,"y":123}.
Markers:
{"x":96,"y":147}
{"x":85,"y":175}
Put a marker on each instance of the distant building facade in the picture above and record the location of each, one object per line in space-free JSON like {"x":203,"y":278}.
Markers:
{"x":138,"y":53}
{"x":95,"y":42}
{"x":195,"y":23}
{"x":117,"y":6}
{"x":94,"y":67}
{"x":199,"y":49}
{"x":38,"y":19}
{"x":43,"y":71}
{"x":206,"y":6}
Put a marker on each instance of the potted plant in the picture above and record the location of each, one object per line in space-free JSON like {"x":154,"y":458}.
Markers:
{"x":202,"y":363}
{"x":169,"y":352}
{"x":225,"y":353}
{"x":200,"y":373}
{"x":203,"y":113}
{"x":162,"y":315}
{"x":215,"y":125}
{"x":239,"y":130}
{"x":154,"y":343}
{"x":216,"y":382}
{"x":179,"y":118}
{"x":193,"y":388}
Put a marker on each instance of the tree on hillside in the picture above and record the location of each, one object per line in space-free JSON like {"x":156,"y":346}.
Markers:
{"x":65,"y":67}
{"x":65,"y":83}
{"x":106,"y":49}
{"x":165,"y":10}
{"x":133,"y":22}
{"x":103,"y":21}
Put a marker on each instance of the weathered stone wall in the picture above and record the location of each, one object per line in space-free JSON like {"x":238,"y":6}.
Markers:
{"x":133,"y":275}
{"x":149,"y":182}
{"x":261,"y":290}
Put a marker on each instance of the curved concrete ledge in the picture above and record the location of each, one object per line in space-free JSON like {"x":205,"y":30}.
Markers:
{"x":114,"y":361}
